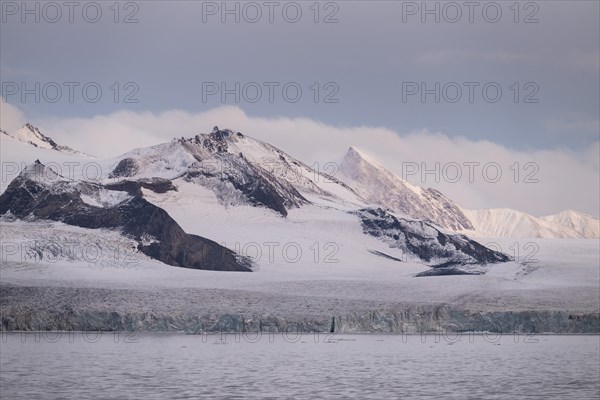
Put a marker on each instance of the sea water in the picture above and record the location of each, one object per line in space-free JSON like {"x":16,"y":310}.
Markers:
{"x":105,"y":365}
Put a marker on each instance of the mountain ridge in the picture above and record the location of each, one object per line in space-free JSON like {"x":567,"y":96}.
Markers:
{"x":244,"y":170}
{"x":32,"y":135}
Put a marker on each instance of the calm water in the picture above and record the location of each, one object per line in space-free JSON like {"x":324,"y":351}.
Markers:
{"x":108,"y":366}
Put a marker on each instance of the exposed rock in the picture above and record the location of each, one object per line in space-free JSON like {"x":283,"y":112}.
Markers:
{"x":135,"y":217}
{"x":134,"y":188}
{"x":257,"y":185}
{"x":448,"y":254}
{"x":125,"y":168}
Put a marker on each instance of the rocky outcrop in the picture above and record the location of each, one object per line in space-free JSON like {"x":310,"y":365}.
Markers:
{"x":447,"y":254}
{"x":158,"y":235}
{"x":134,"y":187}
{"x":256,"y":185}
{"x":125,"y":168}
{"x":217,"y":162}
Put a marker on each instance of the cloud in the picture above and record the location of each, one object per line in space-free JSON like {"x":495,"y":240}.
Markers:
{"x":536,"y":181}
{"x":11,"y":117}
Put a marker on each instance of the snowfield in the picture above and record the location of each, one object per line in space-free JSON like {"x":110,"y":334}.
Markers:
{"x":561,"y":275}
{"x":99,"y":282}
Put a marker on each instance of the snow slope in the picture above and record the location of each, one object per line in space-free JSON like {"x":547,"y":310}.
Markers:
{"x":32,"y":135}
{"x":504,"y":222}
{"x":380,"y":186}
{"x":563,"y":275}
{"x":586,"y":225}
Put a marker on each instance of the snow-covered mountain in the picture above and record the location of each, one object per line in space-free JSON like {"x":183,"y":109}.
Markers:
{"x":238,"y":168}
{"x":184,"y":201}
{"x":31,"y":135}
{"x":584,"y":224}
{"x":201,"y":180}
{"x":508,"y":223}
{"x":39,"y":193}
{"x":379,"y":186}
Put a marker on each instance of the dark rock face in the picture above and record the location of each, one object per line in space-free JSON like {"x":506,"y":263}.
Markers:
{"x":447,"y":270}
{"x":446,"y":253}
{"x":216,"y":161}
{"x":387,"y":256}
{"x":157,"y":234}
{"x":125,"y":168}
{"x":134,"y":188}
{"x":257,"y":185}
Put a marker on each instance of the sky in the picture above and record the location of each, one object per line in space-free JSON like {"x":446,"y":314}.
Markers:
{"x":410,"y":83}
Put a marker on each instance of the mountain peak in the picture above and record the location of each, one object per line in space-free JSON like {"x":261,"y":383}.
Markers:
{"x":30,"y":134}
{"x":355,"y":156}
{"x":584,"y":224}
{"x":30,"y":127}
{"x":380,"y":186}
{"x":355,"y":152}
{"x":39,"y":172}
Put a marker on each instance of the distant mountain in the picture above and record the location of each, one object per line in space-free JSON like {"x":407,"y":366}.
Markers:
{"x":243,"y":170}
{"x":586,"y":225}
{"x":31,"y":135}
{"x":504,"y":222}
{"x":379,"y":186}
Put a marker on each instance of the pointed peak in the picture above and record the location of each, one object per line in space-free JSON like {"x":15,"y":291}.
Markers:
{"x":30,"y":127}
{"x":355,"y":155}
{"x":32,"y":131}
{"x":354,"y":150}
{"x":31,"y":134}
{"x":39,"y":172}
{"x":221,"y":134}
